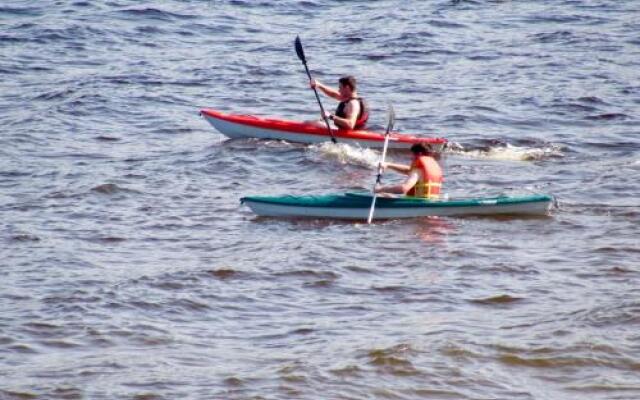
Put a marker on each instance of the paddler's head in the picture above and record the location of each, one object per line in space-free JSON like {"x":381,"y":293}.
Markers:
{"x":347,"y":87}
{"x":419,"y":149}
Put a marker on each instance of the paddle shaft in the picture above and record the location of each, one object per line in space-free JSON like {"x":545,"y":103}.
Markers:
{"x":382,"y":157}
{"x":301,"y":56}
{"x":378,"y":178}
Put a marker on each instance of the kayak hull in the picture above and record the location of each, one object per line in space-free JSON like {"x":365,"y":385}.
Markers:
{"x":356,"y":206}
{"x":248,"y":126}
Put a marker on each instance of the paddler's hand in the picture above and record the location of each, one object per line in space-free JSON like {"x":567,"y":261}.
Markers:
{"x":377,"y":188}
{"x":327,"y":115}
{"x":313,"y":83}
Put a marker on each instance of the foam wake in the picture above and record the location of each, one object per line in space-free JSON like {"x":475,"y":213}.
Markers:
{"x":507,"y":152}
{"x":346,"y":154}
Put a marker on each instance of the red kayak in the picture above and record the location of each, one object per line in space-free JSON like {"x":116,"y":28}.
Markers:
{"x":249,"y":126}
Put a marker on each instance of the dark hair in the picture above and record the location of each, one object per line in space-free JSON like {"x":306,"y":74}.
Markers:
{"x":419,"y":148}
{"x":348,"y":81}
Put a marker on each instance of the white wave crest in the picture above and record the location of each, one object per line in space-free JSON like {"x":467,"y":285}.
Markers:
{"x":508,"y":152}
{"x":346,"y":154}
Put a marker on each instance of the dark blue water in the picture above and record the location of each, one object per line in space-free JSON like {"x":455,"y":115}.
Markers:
{"x":130,"y":270}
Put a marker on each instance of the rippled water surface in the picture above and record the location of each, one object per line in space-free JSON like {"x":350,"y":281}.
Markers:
{"x":130,"y":270}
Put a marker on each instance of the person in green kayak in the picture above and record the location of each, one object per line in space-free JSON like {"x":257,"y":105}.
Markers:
{"x":424,"y":175}
{"x":352,"y":111}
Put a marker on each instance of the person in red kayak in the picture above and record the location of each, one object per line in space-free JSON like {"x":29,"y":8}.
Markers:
{"x":352,"y":111}
{"x":424,"y":175}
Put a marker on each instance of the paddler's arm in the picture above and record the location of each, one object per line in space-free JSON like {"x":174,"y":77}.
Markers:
{"x":403,"y":169}
{"x":402,"y":188}
{"x":325,"y":89}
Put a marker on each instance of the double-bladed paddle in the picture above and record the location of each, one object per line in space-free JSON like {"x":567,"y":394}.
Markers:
{"x":300,"y":53}
{"x":391,"y":119}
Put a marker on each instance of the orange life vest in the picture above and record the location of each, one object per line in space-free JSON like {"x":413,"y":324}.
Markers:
{"x":430,"y":180}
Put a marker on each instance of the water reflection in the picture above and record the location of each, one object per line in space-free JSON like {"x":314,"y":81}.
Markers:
{"x":434,"y":230}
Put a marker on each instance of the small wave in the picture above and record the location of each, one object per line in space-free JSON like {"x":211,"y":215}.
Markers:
{"x":208,"y":29}
{"x":60,"y":344}
{"x":454,"y":350}
{"x":54,"y":95}
{"x":15,"y":174}
{"x":606,"y":386}
{"x":591,"y":100}
{"x":322,"y":283}
{"x":415,"y":35}
{"x":393,"y":360}
{"x":500,"y":299}
{"x":156,"y":14}
{"x":20,"y":395}
{"x":22,"y":349}
{"x":223,"y":273}
{"x":551,"y":37}
{"x":434,"y":52}
{"x":25,"y":237}
{"x":182,"y":305}
{"x":111,"y":239}
{"x":354,"y":39}
{"x":107,"y":138}
{"x":13,"y":39}
{"x":616,"y":249}
{"x":301,"y":331}
{"x":233,"y":381}
{"x":377,"y":57}
{"x":346,"y":154}
{"x":24,"y":11}
{"x":445,"y":24}
{"x":556,"y":18}
{"x":465,"y":2}
{"x":346,"y":371}
{"x":548,"y":362}
{"x":573,"y":106}
{"x":601,"y":209}
{"x":309,"y":273}
{"x":619,"y":314}
{"x":261,"y":4}
{"x":507,"y":152}
{"x":41,"y":326}
{"x":150,"y":29}
{"x":616,"y":270}
{"x":483,"y":108}
{"x":607,"y":117}
{"x":106,"y":188}
{"x":389,"y":289}
{"x":110,"y":188}
{"x":4,"y":71}
{"x":485,"y":57}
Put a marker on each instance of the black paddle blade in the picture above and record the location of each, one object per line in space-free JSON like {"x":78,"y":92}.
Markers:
{"x":300,"y":50}
{"x":391,"y":117}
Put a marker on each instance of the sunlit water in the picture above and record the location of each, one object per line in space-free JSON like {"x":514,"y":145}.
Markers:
{"x":130,"y":270}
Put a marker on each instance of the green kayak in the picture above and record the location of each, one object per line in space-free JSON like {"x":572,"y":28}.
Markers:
{"x":356,"y":206}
